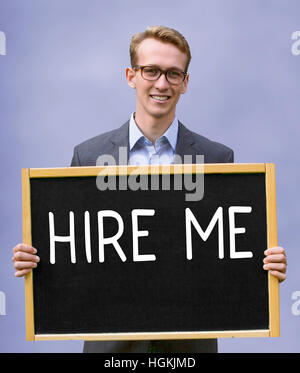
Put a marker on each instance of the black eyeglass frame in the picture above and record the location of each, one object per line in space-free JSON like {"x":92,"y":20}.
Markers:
{"x":139,"y":67}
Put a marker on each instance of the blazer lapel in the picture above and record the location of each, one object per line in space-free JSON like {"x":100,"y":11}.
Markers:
{"x":185,"y":143}
{"x":120,"y":139}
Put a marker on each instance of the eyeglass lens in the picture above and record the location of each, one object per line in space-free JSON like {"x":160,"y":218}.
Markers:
{"x":153,"y":73}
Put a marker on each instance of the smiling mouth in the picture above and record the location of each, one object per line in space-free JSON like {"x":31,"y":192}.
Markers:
{"x":160,"y":98}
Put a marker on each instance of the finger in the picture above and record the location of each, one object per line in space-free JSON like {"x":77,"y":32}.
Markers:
{"x":280,"y":267}
{"x":281,"y":276}
{"x":23,"y":272}
{"x":275,"y":258}
{"x":25,"y":248}
{"x":275,"y":250}
{"x":24,"y":265}
{"x":23,"y":256}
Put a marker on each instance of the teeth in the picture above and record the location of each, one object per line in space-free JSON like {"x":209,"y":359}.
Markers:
{"x":160,"y":98}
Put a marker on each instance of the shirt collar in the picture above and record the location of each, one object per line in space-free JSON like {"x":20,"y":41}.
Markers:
{"x":135,"y":133}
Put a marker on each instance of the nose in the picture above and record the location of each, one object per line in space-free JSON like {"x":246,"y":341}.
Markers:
{"x":162,"y":83}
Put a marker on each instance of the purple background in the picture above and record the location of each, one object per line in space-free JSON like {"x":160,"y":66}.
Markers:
{"x":63,"y":81}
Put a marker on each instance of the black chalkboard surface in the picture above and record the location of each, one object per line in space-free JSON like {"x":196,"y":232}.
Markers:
{"x":148,"y":264}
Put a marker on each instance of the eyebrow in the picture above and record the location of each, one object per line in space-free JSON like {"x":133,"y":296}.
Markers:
{"x":169,"y":68}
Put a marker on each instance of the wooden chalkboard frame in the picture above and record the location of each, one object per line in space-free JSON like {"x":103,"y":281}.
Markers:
{"x":273,"y":285}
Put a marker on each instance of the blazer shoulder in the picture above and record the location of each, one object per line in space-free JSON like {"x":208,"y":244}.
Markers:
{"x":96,"y":140}
{"x":87,"y":152}
{"x":213,"y":151}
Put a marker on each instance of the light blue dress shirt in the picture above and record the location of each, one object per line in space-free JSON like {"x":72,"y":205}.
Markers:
{"x":142,"y":151}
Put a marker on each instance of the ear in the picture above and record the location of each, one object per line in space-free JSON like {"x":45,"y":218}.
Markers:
{"x":130,"y":77}
{"x":185,"y":84}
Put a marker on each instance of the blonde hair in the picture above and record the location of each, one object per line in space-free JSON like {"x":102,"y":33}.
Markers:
{"x":163,"y":34}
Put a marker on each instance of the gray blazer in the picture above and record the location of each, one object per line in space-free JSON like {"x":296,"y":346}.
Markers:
{"x":188,"y":143}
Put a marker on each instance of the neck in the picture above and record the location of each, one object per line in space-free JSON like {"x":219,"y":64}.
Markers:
{"x":151,"y":127}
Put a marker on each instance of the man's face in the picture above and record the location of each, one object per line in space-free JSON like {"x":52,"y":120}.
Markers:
{"x":158,"y":98}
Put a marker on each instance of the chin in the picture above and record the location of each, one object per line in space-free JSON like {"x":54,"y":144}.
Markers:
{"x":160,"y":113}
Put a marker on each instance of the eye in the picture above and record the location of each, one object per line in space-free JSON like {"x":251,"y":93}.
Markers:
{"x":151,"y":70}
{"x":174,"y":73}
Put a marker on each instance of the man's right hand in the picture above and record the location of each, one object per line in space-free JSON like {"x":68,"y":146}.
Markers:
{"x":24,"y":259}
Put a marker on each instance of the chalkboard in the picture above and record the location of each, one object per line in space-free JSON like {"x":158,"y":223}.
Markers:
{"x":149,"y":263}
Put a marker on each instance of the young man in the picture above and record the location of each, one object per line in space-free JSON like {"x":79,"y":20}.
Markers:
{"x":160,"y":57}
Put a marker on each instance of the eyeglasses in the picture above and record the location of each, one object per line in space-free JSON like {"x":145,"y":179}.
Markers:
{"x":151,"y":73}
